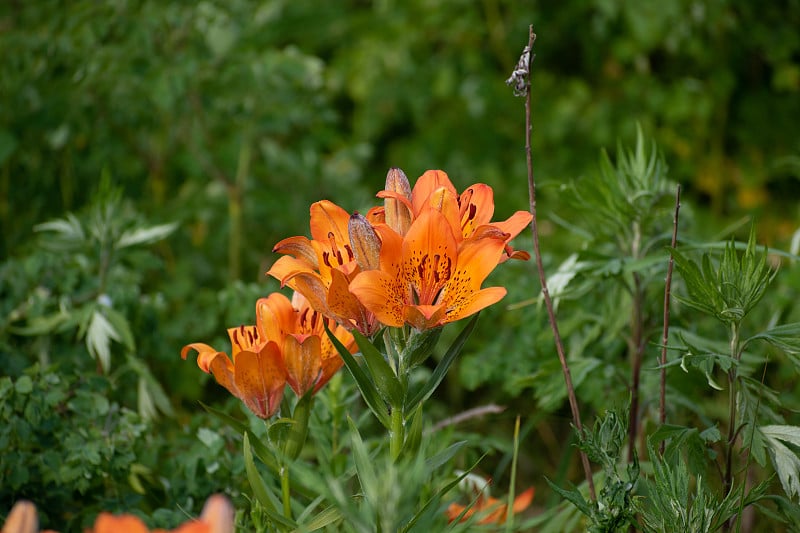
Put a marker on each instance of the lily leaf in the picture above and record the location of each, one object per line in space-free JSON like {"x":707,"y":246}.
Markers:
{"x":384,"y":377}
{"x":444,"y":365}
{"x":260,"y":490}
{"x":365,"y":469}
{"x":367,"y":388}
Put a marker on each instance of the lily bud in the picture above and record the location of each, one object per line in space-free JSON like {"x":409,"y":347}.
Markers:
{"x":218,"y":513}
{"x":397,"y":202}
{"x":22,"y":519}
{"x":365,"y":242}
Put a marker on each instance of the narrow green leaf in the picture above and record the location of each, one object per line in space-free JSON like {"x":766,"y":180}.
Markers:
{"x":414,"y":434}
{"x":383,"y":376}
{"x":364,"y":466}
{"x":444,"y":365}
{"x":324,"y":518}
{"x":365,"y":386}
{"x":437,"y":496}
{"x":261,"y":451}
{"x":260,"y":490}
{"x":236,"y":425}
{"x":435,"y":461}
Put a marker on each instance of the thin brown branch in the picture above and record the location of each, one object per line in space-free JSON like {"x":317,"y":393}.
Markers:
{"x":520,"y":79}
{"x":475,"y":412}
{"x":662,"y":403}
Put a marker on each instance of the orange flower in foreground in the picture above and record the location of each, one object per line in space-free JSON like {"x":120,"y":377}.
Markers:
{"x":427,"y":278}
{"x":492,"y":510}
{"x":466,"y":212}
{"x":288,"y":344}
{"x":217,"y":517}
{"x":322,"y":267}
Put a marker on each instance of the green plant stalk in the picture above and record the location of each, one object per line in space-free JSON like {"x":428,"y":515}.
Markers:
{"x":637,"y":353}
{"x":732,"y":382}
{"x":286,"y":491}
{"x":513,"y":482}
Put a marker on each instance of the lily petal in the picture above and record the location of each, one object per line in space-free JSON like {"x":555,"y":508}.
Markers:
{"x":303,"y":362}
{"x":108,"y":523}
{"x":476,"y":207}
{"x":426,"y":184}
{"x":260,"y":379}
{"x":205,"y":354}
{"x":298,"y":247}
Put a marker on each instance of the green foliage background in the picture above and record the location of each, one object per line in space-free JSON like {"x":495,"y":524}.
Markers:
{"x":231,"y":118}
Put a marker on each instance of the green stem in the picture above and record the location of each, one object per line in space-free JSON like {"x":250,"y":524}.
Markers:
{"x":286,"y":491}
{"x":732,"y":381}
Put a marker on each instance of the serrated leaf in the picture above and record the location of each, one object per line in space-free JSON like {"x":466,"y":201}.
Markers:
{"x":69,"y":228}
{"x":785,"y":337}
{"x":784,"y":459}
{"x":682,"y":440}
{"x":573,"y":496}
{"x":145,"y":235}
{"x":42,"y":325}
{"x":121,"y":326}
{"x":99,"y":335}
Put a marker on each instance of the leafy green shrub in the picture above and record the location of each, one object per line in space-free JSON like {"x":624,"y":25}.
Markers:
{"x":66,"y":446}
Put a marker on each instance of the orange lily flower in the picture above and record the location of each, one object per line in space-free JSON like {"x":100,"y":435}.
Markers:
{"x":309,"y":355}
{"x":217,"y":517}
{"x":466,"y":212}
{"x":494,"y":511}
{"x":285,"y":346}
{"x":322,"y":267}
{"x":427,"y":278}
